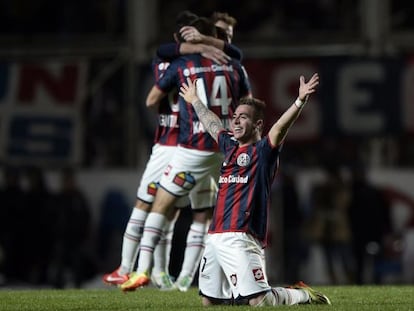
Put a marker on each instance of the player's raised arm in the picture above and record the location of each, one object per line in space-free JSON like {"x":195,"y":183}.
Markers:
{"x":191,"y":34}
{"x":279,"y":129}
{"x":209,"y":119}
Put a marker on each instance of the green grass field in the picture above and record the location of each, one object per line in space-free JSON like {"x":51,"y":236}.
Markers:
{"x":354,"y":298}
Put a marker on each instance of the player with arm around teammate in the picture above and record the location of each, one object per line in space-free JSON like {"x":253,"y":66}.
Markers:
{"x":232,"y":264}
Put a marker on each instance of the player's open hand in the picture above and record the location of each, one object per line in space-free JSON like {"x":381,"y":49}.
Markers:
{"x":214,"y":54}
{"x":191,"y":34}
{"x":307,"y":88}
{"x":188,"y":91}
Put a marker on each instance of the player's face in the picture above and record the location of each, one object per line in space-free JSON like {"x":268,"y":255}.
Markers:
{"x":227,"y":28}
{"x":243,"y":125}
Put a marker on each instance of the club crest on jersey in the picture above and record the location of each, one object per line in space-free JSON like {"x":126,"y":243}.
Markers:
{"x":163,"y":65}
{"x":243,"y":159}
{"x":258,"y":274}
{"x":184,"y":180}
{"x":152,"y":188}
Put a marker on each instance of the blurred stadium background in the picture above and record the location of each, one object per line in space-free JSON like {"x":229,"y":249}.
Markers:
{"x":73,"y":80}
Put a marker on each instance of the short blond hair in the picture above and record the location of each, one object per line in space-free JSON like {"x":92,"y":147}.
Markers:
{"x":225,"y":17}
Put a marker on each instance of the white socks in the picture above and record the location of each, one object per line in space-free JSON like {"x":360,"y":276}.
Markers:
{"x":162,"y":249}
{"x":131,"y":240}
{"x":284,"y":296}
{"x":289,"y":296}
{"x":153,"y":230}
{"x":194,"y":249}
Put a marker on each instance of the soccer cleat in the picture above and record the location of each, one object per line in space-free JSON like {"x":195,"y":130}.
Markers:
{"x":163,"y":281}
{"x":315,"y":297}
{"x":183,"y":283}
{"x":135,"y":281}
{"x":114,"y":278}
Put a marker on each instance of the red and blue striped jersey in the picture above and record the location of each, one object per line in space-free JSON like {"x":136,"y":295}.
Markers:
{"x":246,"y":177}
{"x":167,"y":130}
{"x":222,"y":87}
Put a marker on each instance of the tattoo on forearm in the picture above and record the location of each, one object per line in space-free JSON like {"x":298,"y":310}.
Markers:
{"x":209,"y":119}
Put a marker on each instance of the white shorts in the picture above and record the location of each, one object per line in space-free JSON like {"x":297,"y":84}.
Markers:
{"x":202,"y":196}
{"x":232,"y":265}
{"x":195,"y":172}
{"x":158,"y":161}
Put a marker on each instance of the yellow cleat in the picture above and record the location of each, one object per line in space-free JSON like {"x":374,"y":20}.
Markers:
{"x":163,"y":281}
{"x":315,"y":297}
{"x":135,"y":281}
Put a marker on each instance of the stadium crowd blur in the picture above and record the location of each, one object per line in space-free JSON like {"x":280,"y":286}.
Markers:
{"x":39,"y":241}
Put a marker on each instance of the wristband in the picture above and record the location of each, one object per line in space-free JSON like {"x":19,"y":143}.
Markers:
{"x":299,"y":103}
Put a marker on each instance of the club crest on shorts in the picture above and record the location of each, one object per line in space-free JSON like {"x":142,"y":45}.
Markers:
{"x":167,"y":170}
{"x":233,"y":279}
{"x":243,"y":159}
{"x":152,"y":188}
{"x":184,"y":180}
{"x":258,"y":274}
